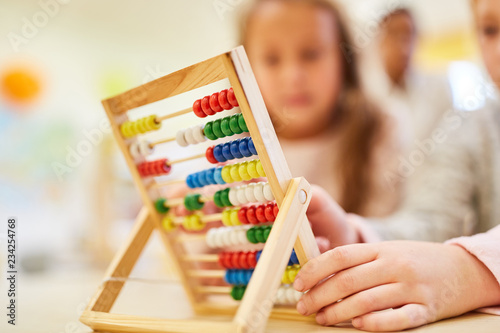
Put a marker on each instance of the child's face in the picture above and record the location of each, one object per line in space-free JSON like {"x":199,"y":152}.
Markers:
{"x":488,"y":21}
{"x":295,"y":54}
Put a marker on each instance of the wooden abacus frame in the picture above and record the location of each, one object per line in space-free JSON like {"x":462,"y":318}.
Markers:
{"x":290,"y":229}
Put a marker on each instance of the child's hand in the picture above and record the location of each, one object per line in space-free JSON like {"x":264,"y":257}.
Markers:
{"x":329,"y":221}
{"x":419,"y":282}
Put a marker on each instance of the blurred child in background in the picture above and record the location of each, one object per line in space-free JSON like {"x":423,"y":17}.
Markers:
{"x":330,"y":132}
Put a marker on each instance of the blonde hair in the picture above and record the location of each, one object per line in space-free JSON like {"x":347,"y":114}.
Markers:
{"x":361,"y":120}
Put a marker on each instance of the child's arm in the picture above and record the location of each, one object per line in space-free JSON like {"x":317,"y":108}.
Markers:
{"x":419,"y":282}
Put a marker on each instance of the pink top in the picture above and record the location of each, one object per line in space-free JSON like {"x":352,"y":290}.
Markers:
{"x":486,"y":248}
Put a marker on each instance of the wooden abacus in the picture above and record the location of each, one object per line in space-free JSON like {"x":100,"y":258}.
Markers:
{"x":255,"y":275}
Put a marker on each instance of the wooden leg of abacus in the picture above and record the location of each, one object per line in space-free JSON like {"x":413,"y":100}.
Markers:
{"x":258,"y":300}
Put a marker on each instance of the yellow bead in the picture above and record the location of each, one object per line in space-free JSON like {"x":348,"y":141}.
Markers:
{"x":260,"y":169}
{"x":286,"y":279}
{"x":124,"y":129}
{"x":226,"y":218}
{"x":252,"y":169}
{"x":141,"y":125}
{"x":226,"y":175}
{"x":235,"y":175}
{"x":187,"y":223}
{"x":134,"y":130}
{"x":168,"y":223}
{"x":234,"y":217}
{"x":292,"y":273}
{"x":196,"y":223}
{"x":242,"y":170}
{"x":152,"y":125}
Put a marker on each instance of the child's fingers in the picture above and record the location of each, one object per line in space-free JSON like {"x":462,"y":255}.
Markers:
{"x":333,"y":261}
{"x":343,"y":284}
{"x":374,"y":299}
{"x":408,"y":316}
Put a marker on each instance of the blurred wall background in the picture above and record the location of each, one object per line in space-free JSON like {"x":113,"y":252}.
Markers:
{"x":60,"y":172}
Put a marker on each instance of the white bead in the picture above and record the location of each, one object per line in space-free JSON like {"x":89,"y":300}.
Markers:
{"x":226,"y":238}
{"x":210,"y":239}
{"x":235,"y":237}
{"x":145,"y":148}
{"x":259,"y":192}
{"x":268,"y":194}
{"x":290,"y":295}
{"x":134,"y":150}
{"x":217,"y":238}
{"x":181,"y":140}
{"x":233,"y":197}
{"x":280,"y":295}
{"x":188,"y":135}
{"x":240,"y":194}
{"x":249,"y":192}
{"x":198,"y":134}
{"x":242,"y":236}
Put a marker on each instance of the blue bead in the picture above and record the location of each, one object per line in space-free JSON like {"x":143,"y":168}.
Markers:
{"x":226,"y":151}
{"x":218,"y":154}
{"x":189,"y":181}
{"x":293,"y":258}
{"x":251,"y":146}
{"x":209,"y":176}
{"x":195,"y":180}
{"x":257,"y":256}
{"x":228,"y":277}
{"x":240,"y":277}
{"x":235,"y":149}
{"x":248,"y":276}
{"x":200,"y":178}
{"x":244,"y":148}
{"x":218,"y":176}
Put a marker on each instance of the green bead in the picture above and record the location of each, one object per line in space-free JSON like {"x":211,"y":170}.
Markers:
{"x":208,"y":131}
{"x":267,"y":231}
{"x":193,"y":202}
{"x":160,"y":206}
{"x":241,"y":123}
{"x":217,"y":130}
{"x":259,"y":234}
{"x":233,"y":124}
{"x":251,"y":236}
{"x":224,"y":198}
{"x":225,"y":128}
{"x":237,"y":292}
{"x":217,"y":199}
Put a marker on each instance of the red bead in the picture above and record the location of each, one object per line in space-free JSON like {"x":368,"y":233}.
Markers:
{"x":259,"y":213}
{"x":197,"y":109}
{"x":231,"y":98}
{"x":166,"y":167}
{"x":157,"y":167}
{"x":214,"y":103}
{"x":209,"y":154}
{"x":242,"y":215}
{"x":235,"y":260}
{"x":227,"y":260}
{"x":205,"y":106}
{"x":148,"y":169}
{"x":251,"y":259}
{"x":276,"y":210}
{"x":221,"y":259}
{"x":251,"y":215}
{"x":140,"y":168}
{"x":268,"y":212}
{"x":223,"y":102}
{"x":242,"y":260}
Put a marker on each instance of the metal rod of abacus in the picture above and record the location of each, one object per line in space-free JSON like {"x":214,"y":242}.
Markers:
{"x":213,"y":290}
{"x":206,"y":273}
{"x":204,"y":257}
{"x":185,"y":159}
{"x":154,"y":143}
{"x":172,"y":115}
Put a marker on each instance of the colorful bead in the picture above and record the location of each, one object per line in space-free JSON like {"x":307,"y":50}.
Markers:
{"x":180,"y":139}
{"x":209,"y":154}
{"x":250,"y":216}
{"x":217,"y":131}
{"x":160,"y":206}
{"x":214,"y":102}
{"x":224,"y":126}
{"x":208,"y":131}
{"x":168,"y":223}
{"x":154,"y":168}
{"x":242,"y":124}
{"x":243,"y":147}
{"x":197,"y":109}
{"x":224,"y":197}
{"x":234,"y":149}
{"x":193,"y":223}
{"x":223,"y":102}
{"x":237,"y":292}
{"x":251,"y":236}
{"x":231,"y":97}
{"x":218,"y":176}
{"x":234,"y":125}
{"x":218,"y":154}
{"x":226,"y":151}
{"x":193,"y":202}
{"x":242,"y":215}
{"x":217,"y":199}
